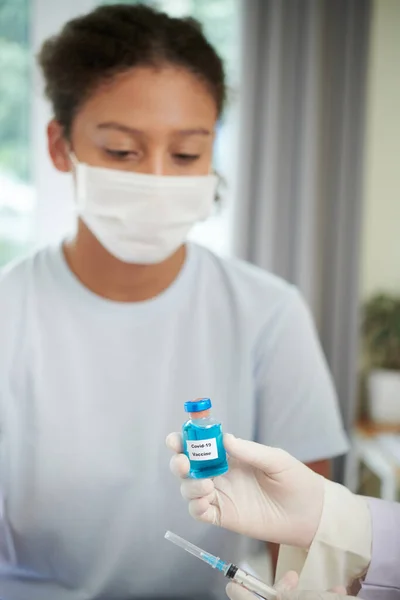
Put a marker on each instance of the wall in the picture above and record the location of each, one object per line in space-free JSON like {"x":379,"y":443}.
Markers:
{"x":381,"y":235}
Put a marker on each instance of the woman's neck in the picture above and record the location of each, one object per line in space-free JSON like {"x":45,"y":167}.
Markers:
{"x":108,"y":277}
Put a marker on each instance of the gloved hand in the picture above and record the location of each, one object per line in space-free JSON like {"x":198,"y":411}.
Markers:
{"x":236,"y":592}
{"x":286,"y":589}
{"x":266,"y":494}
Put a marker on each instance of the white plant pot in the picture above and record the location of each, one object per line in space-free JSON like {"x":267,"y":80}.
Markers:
{"x":384,"y":396}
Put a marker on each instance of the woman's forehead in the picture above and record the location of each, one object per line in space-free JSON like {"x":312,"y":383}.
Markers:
{"x":148,"y":98}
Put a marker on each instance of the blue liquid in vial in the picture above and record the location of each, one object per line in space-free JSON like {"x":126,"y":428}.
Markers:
{"x":197,"y":430}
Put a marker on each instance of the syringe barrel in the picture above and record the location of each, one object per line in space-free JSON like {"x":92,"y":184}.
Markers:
{"x":252,"y":584}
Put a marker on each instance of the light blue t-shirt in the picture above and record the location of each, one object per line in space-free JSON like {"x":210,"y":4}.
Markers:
{"x":90,"y":388}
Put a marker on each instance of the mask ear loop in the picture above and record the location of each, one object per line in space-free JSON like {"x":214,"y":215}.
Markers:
{"x":220,"y":185}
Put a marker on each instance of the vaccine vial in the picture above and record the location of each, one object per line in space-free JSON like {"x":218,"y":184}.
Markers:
{"x":203,"y":441}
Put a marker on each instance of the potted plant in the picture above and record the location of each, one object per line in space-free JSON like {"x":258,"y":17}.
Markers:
{"x":381,"y":349}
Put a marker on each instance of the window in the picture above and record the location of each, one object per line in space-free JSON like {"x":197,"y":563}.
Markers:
{"x":16,"y":193}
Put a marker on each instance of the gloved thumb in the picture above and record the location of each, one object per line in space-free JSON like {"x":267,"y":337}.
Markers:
{"x":288,"y":582}
{"x":267,"y":459}
{"x":305,"y":595}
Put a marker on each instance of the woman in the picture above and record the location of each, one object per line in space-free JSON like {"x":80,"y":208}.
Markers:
{"x":332,"y":536}
{"x":107,"y":334}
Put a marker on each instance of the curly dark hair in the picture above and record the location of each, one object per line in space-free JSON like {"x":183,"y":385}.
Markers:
{"x":113,"y":39}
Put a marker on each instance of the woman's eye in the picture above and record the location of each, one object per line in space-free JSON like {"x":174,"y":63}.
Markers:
{"x":186,"y":158}
{"x":120,"y":154}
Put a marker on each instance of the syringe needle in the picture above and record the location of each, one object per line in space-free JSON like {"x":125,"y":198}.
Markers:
{"x":230,"y":570}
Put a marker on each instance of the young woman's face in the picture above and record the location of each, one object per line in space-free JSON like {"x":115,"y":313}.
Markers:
{"x":158,"y":122}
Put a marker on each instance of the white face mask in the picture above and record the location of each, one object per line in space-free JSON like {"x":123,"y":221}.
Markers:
{"x":141,"y":219}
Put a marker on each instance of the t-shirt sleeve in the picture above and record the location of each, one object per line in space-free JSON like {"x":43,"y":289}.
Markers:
{"x":297,"y":407}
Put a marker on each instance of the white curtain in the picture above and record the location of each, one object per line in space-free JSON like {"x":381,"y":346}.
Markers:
{"x":298,"y":210}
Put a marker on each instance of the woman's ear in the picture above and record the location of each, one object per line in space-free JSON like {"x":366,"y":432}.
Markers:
{"x":58,"y":147}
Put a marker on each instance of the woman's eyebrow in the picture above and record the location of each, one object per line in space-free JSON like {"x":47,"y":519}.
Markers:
{"x":133,"y":131}
{"x":120,"y":127}
{"x":198,"y":131}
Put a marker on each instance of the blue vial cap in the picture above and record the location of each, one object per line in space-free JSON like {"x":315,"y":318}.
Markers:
{"x":198,"y":405}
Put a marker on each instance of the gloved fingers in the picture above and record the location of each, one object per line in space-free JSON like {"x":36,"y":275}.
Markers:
{"x":179,"y":465}
{"x":339,"y":589}
{"x":201,"y":509}
{"x":236,"y":592}
{"x":288,"y":582}
{"x":196,"y":488}
{"x":174,"y":442}
{"x":269,"y":460}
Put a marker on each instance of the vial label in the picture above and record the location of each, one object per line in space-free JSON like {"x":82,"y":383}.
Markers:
{"x":202,"y":449}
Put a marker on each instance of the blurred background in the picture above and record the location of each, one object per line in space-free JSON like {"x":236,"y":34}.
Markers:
{"x":309,"y":148}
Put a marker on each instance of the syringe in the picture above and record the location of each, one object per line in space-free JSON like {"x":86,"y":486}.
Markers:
{"x":230,"y":570}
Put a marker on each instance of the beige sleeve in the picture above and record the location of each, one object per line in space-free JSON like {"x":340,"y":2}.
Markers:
{"x":341,"y":551}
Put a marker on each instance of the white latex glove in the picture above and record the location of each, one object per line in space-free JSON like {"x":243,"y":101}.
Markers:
{"x":286,"y":589}
{"x":266,"y":494}
{"x":236,"y":592}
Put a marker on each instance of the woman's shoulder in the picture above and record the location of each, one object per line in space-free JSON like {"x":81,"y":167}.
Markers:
{"x":14,"y":297}
{"x":14,"y":272}
{"x":243,"y":279}
{"x":17,"y":276}
{"x":12,"y":276}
